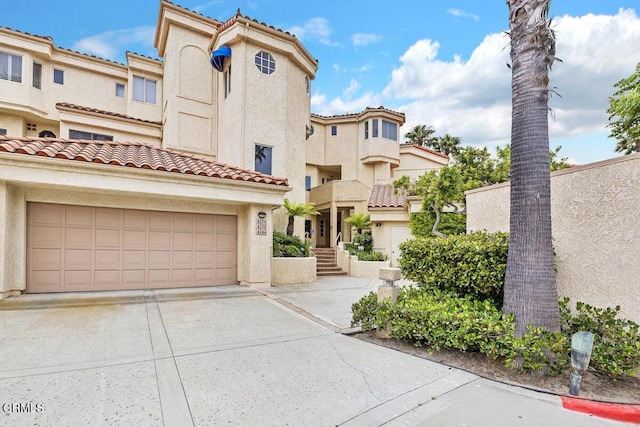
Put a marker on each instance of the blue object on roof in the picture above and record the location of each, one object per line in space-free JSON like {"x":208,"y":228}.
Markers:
{"x":218,"y":56}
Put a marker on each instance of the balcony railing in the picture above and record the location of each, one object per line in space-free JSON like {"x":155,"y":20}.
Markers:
{"x":339,"y":191}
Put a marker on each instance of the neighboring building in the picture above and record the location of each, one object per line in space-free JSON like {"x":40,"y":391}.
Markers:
{"x":352,"y":160}
{"x":117,"y":176}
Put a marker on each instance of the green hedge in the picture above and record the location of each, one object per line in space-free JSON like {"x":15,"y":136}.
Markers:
{"x":443,"y":319}
{"x":472,"y":264}
{"x":290,"y":246}
{"x":422,"y":223}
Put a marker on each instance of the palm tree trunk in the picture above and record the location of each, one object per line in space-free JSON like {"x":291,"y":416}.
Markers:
{"x":530,"y":285}
{"x":290,"y":226}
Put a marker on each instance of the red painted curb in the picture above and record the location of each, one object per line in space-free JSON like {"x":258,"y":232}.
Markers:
{"x":612,"y":411}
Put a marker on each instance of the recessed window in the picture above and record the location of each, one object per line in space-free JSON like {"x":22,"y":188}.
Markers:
{"x":119,"y":90}
{"x":374,"y":128}
{"x":334,"y":130}
{"x":37,"y":75}
{"x":366,"y":130}
{"x":58,"y":76}
{"x":47,"y":134}
{"x":3,"y":131}
{"x":227,"y":81}
{"x":307,"y":183}
{"x":263,"y":159}
{"x":32,"y":126}
{"x":10,"y":67}
{"x":265,"y":62}
{"x":389,"y":130}
{"x":307,"y":84}
{"x":77,"y":134}
{"x":144,"y":90}
{"x":321,"y":228}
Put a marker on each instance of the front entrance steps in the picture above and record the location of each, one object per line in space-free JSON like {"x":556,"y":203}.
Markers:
{"x":326,"y":265}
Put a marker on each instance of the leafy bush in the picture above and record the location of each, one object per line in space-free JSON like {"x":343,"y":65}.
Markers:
{"x":290,"y":246}
{"x":444,"y":319}
{"x":472,"y":264}
{"x":371,"y":256}
{"x":365,"y":240}
{"x":616,"y":343}
{"x":450,"y":224}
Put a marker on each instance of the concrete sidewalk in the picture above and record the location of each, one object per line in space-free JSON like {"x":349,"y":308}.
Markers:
{"x":232,"y":355}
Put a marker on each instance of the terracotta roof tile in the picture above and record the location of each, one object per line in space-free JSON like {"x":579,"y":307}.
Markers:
{"x":131,"y":154}
{"x":69,"y":106}
{"x":428,"y":150}
{"x":383,"y":196}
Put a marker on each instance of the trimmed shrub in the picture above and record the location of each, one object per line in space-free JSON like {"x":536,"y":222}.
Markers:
{"x":365,"y":240}
{"x":450,"y":224}
{"x":616,"y":342}
{"x":472,"y":264}
{"x":290,"y":246}
{"x":442,"y":319}
{"x":371,"y":256}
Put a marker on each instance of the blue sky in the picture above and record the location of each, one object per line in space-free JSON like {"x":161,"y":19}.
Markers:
{"x":443,"y":63}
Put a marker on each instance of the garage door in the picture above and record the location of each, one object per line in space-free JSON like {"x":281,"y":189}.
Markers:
{"x":78,"y":248}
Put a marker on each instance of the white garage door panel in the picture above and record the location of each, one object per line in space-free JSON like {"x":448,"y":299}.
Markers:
{"x":78,"y":248}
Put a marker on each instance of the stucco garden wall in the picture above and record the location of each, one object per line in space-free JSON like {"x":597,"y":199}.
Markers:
{"x":288,"y":271}
{"x":595,"y":213}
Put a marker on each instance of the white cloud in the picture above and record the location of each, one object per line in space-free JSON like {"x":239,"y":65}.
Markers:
{"x":363,"y":39}
{"x":472,"y":98}
{"x":320,"y":104}
{"x":354,"y":86}
{"x":112,"y":44}
{"x":204,"y":6}
{"x":462,"y":14}
{"x":314,"y":29}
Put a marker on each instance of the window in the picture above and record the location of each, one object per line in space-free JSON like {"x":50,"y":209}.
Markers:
{"x":58,"y":76}
{"x":366,"y":130}
{"x":10,"y":67}
{"x":32,"y":126}
{"x":307,"y":227}
{"x":144,"y":90}
{"x":334,"y":130}
{"x":374,"y":128}
{"x":389,"y":130}
{"x":265,"y":62}
{"x":3,"y":131}
{"x":307,"y":84}
{"x":77,"y":134}
{"x":263,"y":159}
{"x":307,"y":183}
{"x":37,"y":75}
{"x":47,"y":134}
{"x":119,"y":90}
{"x":227,"y":81}
{"x":321,"y":228}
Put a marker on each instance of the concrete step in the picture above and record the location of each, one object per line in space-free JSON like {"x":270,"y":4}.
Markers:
{"x":319,"y":269}
{"x":331,"y":273}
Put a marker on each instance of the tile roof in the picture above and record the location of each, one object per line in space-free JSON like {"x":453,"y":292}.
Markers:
{"x":357,"y":114}
{"x":428,"y":150}
{"x":131,"y":154}
{"x":106,"y":113}
{"x":383,"y":196}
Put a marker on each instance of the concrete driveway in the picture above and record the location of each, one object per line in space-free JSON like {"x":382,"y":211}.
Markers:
{"x":232,"y":355}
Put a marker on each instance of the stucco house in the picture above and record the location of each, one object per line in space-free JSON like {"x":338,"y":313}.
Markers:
{"x":172,"y":172}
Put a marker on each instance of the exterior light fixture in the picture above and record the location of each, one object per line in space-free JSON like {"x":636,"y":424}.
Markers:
{"x":581,"y":346}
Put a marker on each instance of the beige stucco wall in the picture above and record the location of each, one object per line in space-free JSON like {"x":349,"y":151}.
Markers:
{"x":289,"y":271}
{"x":414,"y":162}
{"x":370,"y":269}
{"x":596,"y":236}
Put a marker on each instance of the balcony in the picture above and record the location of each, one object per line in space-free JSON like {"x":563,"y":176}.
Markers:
{"x":339,"y":191}
{"x":374,"y":150}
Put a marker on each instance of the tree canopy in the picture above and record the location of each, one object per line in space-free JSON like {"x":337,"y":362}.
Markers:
{"x":297,"y":209}
{"x":470,"y":168}
{"x":359,"y":221}
{"x":624,"y":110}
